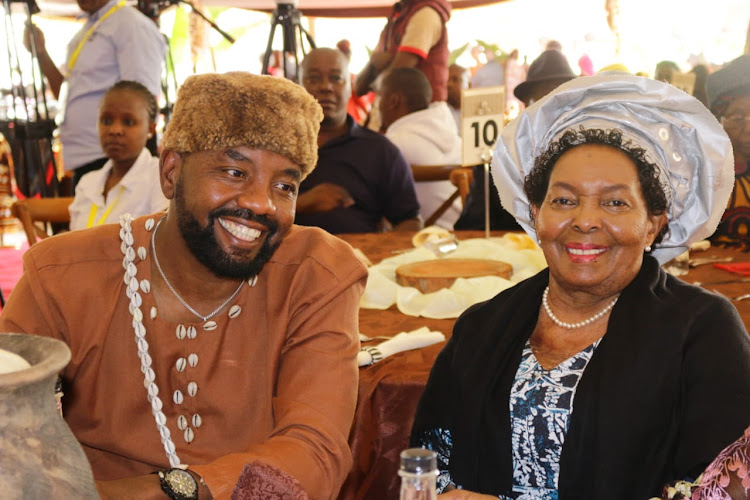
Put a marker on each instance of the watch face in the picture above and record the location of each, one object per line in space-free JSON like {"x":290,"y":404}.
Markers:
{"x":181,"y":482}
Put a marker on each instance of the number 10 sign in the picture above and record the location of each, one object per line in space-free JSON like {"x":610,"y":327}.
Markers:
{"x":482,"y":114}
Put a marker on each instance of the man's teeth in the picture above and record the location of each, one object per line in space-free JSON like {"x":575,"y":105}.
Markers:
{"x":593,"y":251}
{"x":239,"y":231}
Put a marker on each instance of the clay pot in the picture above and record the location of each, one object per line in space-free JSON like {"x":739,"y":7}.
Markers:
{"x":40,"y":459}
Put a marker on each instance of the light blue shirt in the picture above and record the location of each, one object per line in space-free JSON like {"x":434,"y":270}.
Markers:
{"x":125,"y":46}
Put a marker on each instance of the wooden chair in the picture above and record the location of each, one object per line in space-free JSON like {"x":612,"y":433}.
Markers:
{"x":462,"y":179}
{"x":36,"y":214}
{"x":432,"y":173}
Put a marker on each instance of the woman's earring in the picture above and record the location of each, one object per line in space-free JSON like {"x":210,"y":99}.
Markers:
{"x":648,"y":249}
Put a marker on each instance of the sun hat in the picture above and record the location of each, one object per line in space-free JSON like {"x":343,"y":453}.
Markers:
{"x":678,"y":133}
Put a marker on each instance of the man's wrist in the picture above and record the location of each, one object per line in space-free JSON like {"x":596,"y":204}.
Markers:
{"x":179,"y":484}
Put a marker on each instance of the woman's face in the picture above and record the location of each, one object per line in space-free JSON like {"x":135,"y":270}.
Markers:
{"x":736,"y":122}
{"x":593,"y":225}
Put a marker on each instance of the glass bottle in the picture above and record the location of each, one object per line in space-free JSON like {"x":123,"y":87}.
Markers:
{"x":418,"y":473}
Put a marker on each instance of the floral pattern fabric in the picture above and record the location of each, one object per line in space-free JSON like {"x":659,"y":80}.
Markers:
{"x":541,"y":402}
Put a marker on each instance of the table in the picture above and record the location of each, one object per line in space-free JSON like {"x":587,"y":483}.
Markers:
{"x":389,"y":390}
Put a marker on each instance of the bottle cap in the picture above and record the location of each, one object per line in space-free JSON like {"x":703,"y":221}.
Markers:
{"x":418,"y":461}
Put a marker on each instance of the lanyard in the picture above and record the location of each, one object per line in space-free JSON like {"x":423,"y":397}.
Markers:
{"x":74,"y":56}
{"x":94,"y":209}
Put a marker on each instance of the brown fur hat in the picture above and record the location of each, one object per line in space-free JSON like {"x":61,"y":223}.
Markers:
{"x":220,"y":111}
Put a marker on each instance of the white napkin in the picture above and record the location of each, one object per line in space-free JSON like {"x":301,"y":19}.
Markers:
{"x":404,"y":341}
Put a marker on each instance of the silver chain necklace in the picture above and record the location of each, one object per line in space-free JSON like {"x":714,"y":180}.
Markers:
{"x":570,"y":326}
{"x":171,"y":288}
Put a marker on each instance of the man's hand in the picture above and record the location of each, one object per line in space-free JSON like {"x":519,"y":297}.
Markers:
{"x":145,"y":487}
{"x":414,"y":224}
{"x":378,"y":62}
{"x":50,"y":71}
{"x":33,"y":30}
{"x":324,"y":198}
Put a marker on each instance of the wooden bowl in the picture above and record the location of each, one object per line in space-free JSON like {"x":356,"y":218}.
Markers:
{"x":431,"y":275}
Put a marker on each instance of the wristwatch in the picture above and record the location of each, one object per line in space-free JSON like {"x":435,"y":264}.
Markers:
{"x":178,"y":484}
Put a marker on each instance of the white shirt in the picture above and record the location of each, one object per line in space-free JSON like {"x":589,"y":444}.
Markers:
{"x":429,"y":137}
{"x":138,"y":193}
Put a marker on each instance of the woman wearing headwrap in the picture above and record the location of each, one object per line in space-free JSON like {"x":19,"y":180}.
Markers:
{"x":729,"y":99}
{"x":602,"y":376}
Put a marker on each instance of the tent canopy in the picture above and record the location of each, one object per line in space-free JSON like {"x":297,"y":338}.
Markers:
{"x":352,"y":8}
{"x":312,"y":8}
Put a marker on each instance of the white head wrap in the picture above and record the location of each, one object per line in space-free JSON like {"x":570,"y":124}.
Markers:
{"x":677,"y":132}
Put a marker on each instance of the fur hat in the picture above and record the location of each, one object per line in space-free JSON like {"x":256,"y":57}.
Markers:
{"x":550,"y":65}
{"x":730,"y":81}
{"x":216,"y":112}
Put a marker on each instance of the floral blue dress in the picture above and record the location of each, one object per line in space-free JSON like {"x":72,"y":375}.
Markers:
{"x":541,"y":402}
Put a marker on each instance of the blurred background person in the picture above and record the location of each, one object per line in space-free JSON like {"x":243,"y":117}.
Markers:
{"x":728,"y":91}
{"x":358,"y":107}
{"x":415,"y":36}
{"x":129,"y":181}
{"x":546,"y":73}
{"x":425,"y":133}
{"x":117,"y":42}
{"x":699,"y":89}
{"x":664,"y":71}
{"x":492,"y":73}
{"x":361,"y":183}
{"x":458,"y":80}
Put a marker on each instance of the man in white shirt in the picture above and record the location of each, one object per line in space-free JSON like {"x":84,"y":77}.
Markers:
{"x":424,"y":132}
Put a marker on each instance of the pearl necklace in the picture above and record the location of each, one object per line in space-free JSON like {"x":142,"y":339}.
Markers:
{"x":570,"y":326}
{"x":171,"y":288}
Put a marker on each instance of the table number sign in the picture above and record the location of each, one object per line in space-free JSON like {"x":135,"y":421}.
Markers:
{"x":482,"y":115}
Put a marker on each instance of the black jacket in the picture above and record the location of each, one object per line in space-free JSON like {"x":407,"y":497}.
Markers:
{"x":667,"y":388}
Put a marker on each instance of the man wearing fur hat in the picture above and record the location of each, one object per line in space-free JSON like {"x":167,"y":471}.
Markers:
{"x":218,"y":337}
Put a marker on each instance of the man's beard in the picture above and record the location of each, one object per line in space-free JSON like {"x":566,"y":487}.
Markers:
{"x":202,"y":243}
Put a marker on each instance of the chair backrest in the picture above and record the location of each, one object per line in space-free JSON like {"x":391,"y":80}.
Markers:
{"x":431,"y":173}
{"x":36,"y":213}
{"x":462,"y":179}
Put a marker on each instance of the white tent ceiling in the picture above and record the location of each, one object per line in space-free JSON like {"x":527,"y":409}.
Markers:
{"x":316,"y":8}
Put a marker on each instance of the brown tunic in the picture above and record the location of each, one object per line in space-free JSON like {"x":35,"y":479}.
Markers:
{"x":277,"y":384}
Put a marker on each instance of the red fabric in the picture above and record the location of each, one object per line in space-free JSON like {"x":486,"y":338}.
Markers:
{"x":412,"y":50}
{"x":11,"y":268}
{"x":435,"y":65}
{"x":742,"y":268}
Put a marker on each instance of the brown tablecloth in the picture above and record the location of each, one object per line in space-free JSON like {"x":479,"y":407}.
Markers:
{"x":389,"y":390}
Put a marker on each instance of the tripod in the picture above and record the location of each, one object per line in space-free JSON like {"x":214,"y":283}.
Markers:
{"x":25,"y":120}
{"x":152,"y":9}
{"x":288,"y":17}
